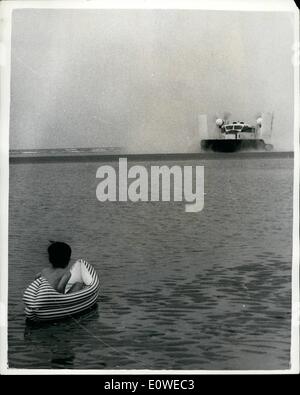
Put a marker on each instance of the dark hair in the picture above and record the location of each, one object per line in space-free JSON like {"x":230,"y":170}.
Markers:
{"x":59,"y":254}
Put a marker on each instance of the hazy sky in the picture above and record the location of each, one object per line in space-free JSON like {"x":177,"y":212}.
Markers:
{"x":140,"y":78}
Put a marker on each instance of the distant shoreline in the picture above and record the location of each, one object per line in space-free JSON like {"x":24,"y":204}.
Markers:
{"x":96,"y":157}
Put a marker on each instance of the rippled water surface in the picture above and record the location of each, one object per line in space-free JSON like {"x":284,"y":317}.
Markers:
{"x":207,"y":290}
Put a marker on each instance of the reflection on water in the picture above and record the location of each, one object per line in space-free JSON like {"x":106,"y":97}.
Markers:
{"x":207,"y":290}
{"x":57,"y":339}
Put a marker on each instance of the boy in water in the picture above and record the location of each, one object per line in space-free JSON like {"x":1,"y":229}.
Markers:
{"x":58,"y":275}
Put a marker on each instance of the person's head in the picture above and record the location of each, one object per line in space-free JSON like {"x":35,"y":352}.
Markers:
{"x":59,"y":254}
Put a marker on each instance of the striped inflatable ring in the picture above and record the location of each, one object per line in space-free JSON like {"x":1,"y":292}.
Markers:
{"x":44,"y":303}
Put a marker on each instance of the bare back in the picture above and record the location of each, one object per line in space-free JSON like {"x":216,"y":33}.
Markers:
{"x":58,"y":278}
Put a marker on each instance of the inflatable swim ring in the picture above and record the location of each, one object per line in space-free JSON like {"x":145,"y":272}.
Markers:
{"x":43,"y":302}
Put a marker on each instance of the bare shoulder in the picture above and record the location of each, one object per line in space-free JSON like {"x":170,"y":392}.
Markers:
{"x":45,"y":272}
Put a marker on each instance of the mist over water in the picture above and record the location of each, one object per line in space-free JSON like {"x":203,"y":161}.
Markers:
{"x":206,"y":290}
{"x":140,"y":78}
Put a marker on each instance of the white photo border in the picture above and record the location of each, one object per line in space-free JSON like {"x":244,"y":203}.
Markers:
{"x":6,"y":9}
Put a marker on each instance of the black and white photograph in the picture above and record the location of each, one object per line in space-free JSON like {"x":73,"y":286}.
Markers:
{"x":150,"y":203}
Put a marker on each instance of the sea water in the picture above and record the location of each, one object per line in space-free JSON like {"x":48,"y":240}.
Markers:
{"x":204,"y":290}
